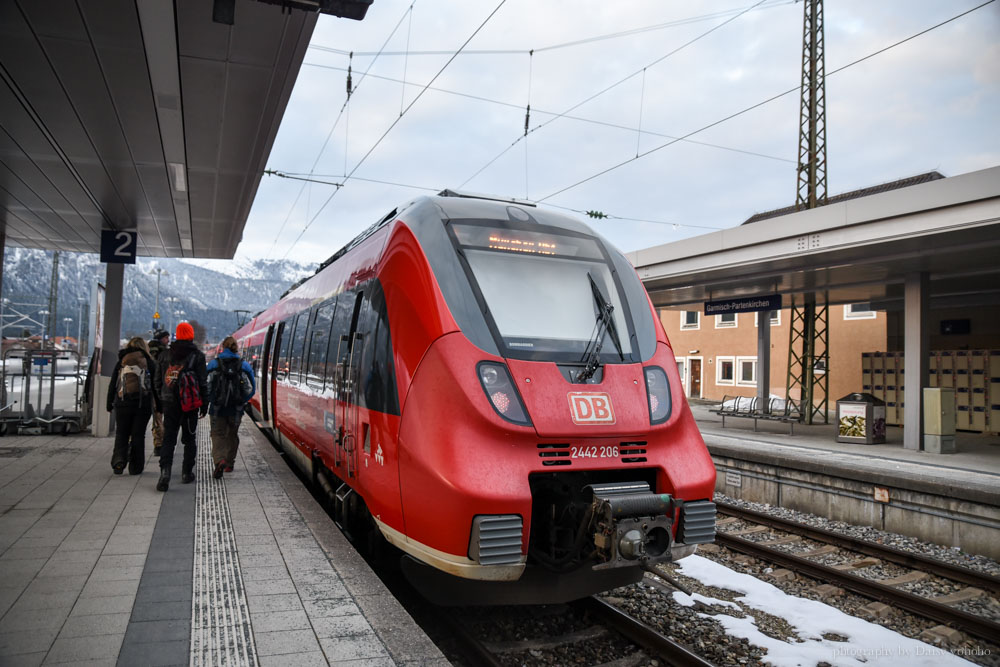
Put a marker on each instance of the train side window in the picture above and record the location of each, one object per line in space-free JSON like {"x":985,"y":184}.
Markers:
{"x":365,"y":327}
{"x":283,"y":351}
{"x":319,"y":336}
{"x":298,"y":343}
{"x":337,"y":349}
{"x":379,"y":371}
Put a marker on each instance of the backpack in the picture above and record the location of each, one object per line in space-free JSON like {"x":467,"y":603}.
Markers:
{"x":228,"y":391}
{"x":181,"y":379}
{"x":133,"y":383}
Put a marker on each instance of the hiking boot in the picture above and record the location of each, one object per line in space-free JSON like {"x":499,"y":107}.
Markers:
{"x":118,"y":468}
{"x":219,"y":467}
{"x":164,"y":483}
{"x":187,"y":477}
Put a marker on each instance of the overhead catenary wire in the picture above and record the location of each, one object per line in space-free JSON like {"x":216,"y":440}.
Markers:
{"x":350,"y":90}
{"x":616,"y":84}
{"x":581,"y":119}
{"x":394,"y":123}
{"x":642,"y":99}
{"x":406,"y":60}
{"x":527,"y":123}
{"x":552,"y":47}
{"x":600,"y":215}
{"x":762,"y":103}
{"x":591,"y":214}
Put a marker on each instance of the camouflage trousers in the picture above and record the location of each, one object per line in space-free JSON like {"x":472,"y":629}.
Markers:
{"x":157,"y":430}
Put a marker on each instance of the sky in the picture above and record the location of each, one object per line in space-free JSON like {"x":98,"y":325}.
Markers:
{"x":612,"y":86}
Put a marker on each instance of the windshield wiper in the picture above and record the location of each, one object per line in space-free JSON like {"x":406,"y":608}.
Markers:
{"x":605,"y":324}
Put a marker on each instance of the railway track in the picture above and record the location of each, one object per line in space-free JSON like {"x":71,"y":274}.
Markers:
{"x":605,"y":634}
{"x":886,"y":591}
{"x":986,"y":582}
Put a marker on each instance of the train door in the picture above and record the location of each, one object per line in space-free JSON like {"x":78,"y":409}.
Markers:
{"x":351,"y":345}
{"x":275,"y":359}
{"x":265,"y":377}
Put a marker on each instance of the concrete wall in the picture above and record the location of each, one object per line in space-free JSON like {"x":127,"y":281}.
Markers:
{"x":941,"y":518}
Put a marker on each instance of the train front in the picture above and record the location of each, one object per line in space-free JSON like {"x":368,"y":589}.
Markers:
{"x":546,"y":449}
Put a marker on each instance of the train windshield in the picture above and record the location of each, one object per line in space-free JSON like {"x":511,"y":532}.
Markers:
{"x":539,"y":291}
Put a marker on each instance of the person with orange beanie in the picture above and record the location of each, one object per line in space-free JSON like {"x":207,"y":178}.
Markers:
{"x":184,"y":397}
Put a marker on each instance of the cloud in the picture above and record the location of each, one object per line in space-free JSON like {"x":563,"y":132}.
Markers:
{"x":929,"y":103}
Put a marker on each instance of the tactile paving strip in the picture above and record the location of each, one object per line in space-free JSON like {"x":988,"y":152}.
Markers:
{"x":220,"y":619}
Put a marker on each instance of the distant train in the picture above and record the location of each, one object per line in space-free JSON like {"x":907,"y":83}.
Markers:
{"x":486,"y":385}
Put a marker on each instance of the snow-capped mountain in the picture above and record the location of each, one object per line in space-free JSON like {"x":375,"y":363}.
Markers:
{"x":208,"y":291}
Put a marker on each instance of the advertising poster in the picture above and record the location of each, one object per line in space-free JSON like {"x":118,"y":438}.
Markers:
{"x":852,"y":421}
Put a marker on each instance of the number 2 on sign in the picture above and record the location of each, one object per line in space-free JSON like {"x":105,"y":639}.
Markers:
{"x":126,"y":241}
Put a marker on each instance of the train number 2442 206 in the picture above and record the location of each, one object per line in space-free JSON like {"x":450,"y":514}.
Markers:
{"x":594,"y":452}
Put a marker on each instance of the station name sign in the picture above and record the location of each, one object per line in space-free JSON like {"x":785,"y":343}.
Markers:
{"x":748,"y":304}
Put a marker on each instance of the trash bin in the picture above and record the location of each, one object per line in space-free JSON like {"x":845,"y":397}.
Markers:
{"x":861,"y":419}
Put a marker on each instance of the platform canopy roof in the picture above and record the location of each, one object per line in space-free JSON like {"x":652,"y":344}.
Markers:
{"x":855,"y":251}
{"x":145,"y":115}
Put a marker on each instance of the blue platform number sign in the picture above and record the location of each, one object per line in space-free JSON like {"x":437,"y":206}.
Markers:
{"x":118,"y":246}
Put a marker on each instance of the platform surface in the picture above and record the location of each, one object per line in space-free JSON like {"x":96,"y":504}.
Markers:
{"x":100,"y":569}
{"x":973,"y":471}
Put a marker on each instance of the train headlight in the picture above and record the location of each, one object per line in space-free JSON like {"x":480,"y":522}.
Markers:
{"x":658,"y":393}
{"x":499,"y":388}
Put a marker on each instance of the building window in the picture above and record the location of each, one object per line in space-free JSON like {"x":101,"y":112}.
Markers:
{"x":775,"y":318}
{"x":726,"y":320}
{"x":725,"y":370}
{"x":690,"y":319}
{"x":858,"y":311}
{"x":747,"y":369}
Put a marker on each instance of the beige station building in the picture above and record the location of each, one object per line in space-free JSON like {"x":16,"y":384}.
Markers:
{"x":908,"y":271}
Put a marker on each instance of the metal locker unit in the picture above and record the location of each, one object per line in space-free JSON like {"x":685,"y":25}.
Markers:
{"x":974,"y":375}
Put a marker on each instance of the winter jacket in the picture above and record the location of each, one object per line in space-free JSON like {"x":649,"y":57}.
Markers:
{"x":135,"y":357}
{"x":156,"y":349}
{"x":214,"y":370}
{"x":179,"y":352}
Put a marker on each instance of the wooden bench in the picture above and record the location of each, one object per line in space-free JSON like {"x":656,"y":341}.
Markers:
{"x":747,"y":407}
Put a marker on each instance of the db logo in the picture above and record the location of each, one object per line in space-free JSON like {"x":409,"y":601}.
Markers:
{"x":591,"y":407}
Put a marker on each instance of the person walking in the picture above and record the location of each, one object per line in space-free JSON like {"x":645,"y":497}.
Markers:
{"x":231,"y":383}
{"x":157,"y":346}
{"x":183,"y":393}
{"x":132,"y":397}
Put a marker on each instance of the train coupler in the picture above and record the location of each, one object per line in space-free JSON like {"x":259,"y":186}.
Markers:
{"x":632,"y":525}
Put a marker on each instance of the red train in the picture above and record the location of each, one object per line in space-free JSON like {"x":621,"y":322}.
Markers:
{"x":487,"y":385}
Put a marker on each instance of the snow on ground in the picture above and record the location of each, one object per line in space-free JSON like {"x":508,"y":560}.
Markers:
{"x":868,"y":644}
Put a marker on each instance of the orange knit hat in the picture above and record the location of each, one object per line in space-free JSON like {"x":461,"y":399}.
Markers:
{"x":184,"y":331}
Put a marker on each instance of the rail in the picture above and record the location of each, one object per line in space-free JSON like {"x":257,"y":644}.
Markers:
{"x":891,"y":554}
{"x":964,"y":621}
{"x":670,"y":651}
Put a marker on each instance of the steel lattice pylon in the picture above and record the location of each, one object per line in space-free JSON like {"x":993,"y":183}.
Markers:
{"x":808,"y":342}
{"x":812,"y":111}
{"x":808,"y":370}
